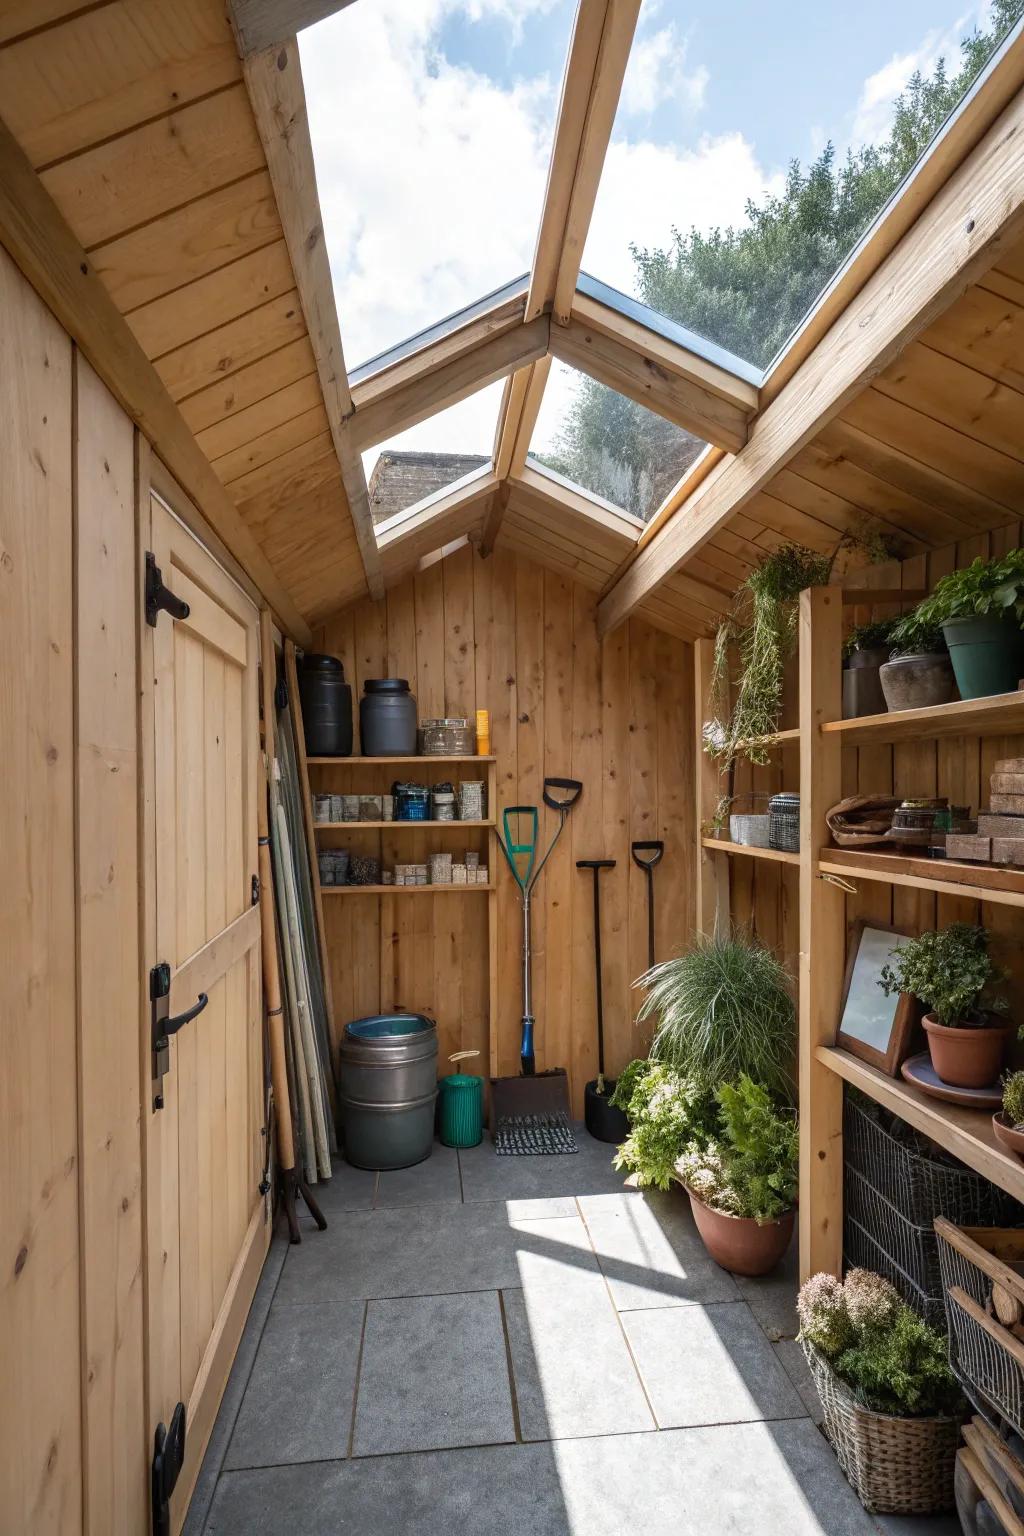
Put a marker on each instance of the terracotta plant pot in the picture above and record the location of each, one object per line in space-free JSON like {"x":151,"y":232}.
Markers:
{"x":738,"y":1243}
{"x":917,"y":682}
{"x":967,"y":1057}
{"x":1007,"y":1136}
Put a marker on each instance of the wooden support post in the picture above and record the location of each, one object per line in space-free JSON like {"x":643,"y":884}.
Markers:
{"x":822,"y":937}
{"x":712,"y":904}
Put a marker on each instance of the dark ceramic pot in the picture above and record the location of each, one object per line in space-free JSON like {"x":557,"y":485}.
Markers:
{"x":987,"y":654}
{"x":917,"y":682}
{"x":862,"y":687}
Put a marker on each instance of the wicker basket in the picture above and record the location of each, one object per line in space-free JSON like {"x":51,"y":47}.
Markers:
{"x":895,"y":1466}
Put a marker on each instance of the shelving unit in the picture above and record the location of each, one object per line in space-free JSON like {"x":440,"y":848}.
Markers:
{"x":822,"y":737}
{"x":366,"y":773}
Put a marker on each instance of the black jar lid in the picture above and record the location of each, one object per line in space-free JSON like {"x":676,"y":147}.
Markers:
{"x":386,"y":685}
{"x":313,"y":662}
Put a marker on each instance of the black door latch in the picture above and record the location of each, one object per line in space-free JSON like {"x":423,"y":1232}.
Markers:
{"x":163,"y":1026}
{"x":158,"y":597}
{"x":168,"y":1458}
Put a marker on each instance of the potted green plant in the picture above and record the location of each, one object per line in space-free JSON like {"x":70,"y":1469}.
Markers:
{"x":918,"y":673}
{"x":724,"y":1007}
{"x":865,"y":649}
{"x":1008,"y":1124}
{"x":981,"y":612}
{"x":951,"y":971}
{"x":892,"y":1407}
{"x":743,"y":1185}
{"x":666,"y":1113}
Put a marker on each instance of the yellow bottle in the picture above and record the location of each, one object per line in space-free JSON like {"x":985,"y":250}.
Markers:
{"x":483,"y":732}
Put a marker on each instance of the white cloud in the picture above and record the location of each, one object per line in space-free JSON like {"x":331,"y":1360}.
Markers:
{"x":656,"y":74}
{"x":873,"y":115}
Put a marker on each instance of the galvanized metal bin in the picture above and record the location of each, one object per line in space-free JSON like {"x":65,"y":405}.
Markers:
{"x":388,"y":1090}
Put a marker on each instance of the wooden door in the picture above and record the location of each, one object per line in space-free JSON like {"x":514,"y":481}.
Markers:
{"x":206,"y":1220}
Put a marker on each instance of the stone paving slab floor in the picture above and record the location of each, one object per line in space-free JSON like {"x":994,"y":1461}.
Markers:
{"x":524,"y":1345}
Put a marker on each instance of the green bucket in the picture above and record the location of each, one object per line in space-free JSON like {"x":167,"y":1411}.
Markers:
{"x":987,"y":653}
{"x":462,"y":1107}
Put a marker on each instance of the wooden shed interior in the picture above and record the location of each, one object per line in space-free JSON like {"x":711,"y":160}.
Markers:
{"x":174,"y":390}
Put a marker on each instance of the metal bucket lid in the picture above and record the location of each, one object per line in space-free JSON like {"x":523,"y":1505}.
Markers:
{"x":388,"y":1026}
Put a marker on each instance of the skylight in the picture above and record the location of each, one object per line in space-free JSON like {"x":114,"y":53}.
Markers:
{"x":417,"y":463}
{"x":431,"y":127}
{"x":719,"y":203}
{"x":608,"y":445}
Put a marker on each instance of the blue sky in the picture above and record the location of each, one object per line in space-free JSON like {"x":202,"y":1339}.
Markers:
{"x":432,"y":121}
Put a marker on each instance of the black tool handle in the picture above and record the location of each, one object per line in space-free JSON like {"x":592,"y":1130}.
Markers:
{"x":654,"y":849}
{"x":595,"y":863}
{"x":573,"y":788}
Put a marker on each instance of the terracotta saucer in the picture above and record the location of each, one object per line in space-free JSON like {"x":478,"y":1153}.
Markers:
{"x":919,"y":1071}
{"x":1006,"y":1136}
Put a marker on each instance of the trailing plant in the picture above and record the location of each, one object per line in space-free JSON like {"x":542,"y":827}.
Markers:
{"x":751,"y":1170}
{"x":890,"y":1358}
{"x":985,"y":587}
{"x":667,"y":1113}
{"x":873,"y":636}
{"x":950,"y":971}
{"x":1013,"y":1099}
{"x":724,"y":1008}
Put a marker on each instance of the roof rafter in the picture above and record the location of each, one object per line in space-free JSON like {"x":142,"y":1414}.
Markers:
{"x":260,"y":24}
{"x":274,"y":81}
{"x":978,"y":212}
{"x":434,"y":378}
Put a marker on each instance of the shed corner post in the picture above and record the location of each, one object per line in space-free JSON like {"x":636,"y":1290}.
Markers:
{"x":711,"y":869}
{"x":822,"y":938}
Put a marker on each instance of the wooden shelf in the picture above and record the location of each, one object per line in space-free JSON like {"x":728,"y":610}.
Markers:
{"x":412,"y":762}
{"x":966,"y":1133}
{"x":723,"y":845}
{"x":403,"y":890}
{"x":403,"y":826}
{"x":947,"y":877}
{"x":1000,"y":715}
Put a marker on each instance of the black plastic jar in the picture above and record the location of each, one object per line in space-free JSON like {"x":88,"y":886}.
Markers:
{"x":387,"y":718}
{"x":326,"y":706}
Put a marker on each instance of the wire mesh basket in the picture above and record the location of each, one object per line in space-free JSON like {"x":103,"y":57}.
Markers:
{"x":921,"y":1184}
{"x":862,"y":1251}
{"x":979,"y":1284}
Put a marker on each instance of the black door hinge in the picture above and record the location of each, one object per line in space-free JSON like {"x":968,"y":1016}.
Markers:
{"x":168,"y":1457}
{"x":163,"y":1026}
{"x":255,"y":890}
{"x":158,"y":597}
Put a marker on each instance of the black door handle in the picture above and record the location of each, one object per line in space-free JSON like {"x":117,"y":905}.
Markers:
{"x":172,"y":1025}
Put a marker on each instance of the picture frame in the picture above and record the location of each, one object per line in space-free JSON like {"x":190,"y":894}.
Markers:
{"x":875,"y":1028}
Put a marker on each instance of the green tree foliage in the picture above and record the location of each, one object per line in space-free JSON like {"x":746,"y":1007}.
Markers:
{"x":748,"y":287}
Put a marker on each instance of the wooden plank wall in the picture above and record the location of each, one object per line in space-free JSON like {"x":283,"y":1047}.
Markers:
{"x":765,"y":897}
{"x":74,"y":1454}
{"x":506,"y":635}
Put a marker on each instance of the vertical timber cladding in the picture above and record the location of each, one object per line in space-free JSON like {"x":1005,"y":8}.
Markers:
{"x":765,"y":897}
{"x":506,"y":635}
{"x":41,"y":1453}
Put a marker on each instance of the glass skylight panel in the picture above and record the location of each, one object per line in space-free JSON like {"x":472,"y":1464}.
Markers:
{"x":429,"y":458}
{"x":754,"y":145}
{"x":431,"y":127}
{"x":608,"y":445}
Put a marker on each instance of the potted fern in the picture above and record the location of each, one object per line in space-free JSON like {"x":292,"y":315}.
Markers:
{"x":951,"y":971}
{"x":743,"y":1185}
{"x":918,"y":673}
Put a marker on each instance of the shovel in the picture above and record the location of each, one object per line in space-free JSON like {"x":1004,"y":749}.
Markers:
{"x":646,"y":855}
{"x":603,"y":1121}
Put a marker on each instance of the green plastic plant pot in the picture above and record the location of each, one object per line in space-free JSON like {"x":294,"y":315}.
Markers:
{"x":987,"y":654}
{"x":462,"y":1110}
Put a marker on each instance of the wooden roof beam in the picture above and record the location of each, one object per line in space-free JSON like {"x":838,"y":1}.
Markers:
{"x":598,"y":54}
{"x":426,"y":383}
{"x":657,"y":373}
{"x":409,"y":536}
{"x":41,"y":243}
{"x":274,"y":80}
{"x":517,"y":418}
{"x":260,"y":24}
{"x":976,"y":215}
